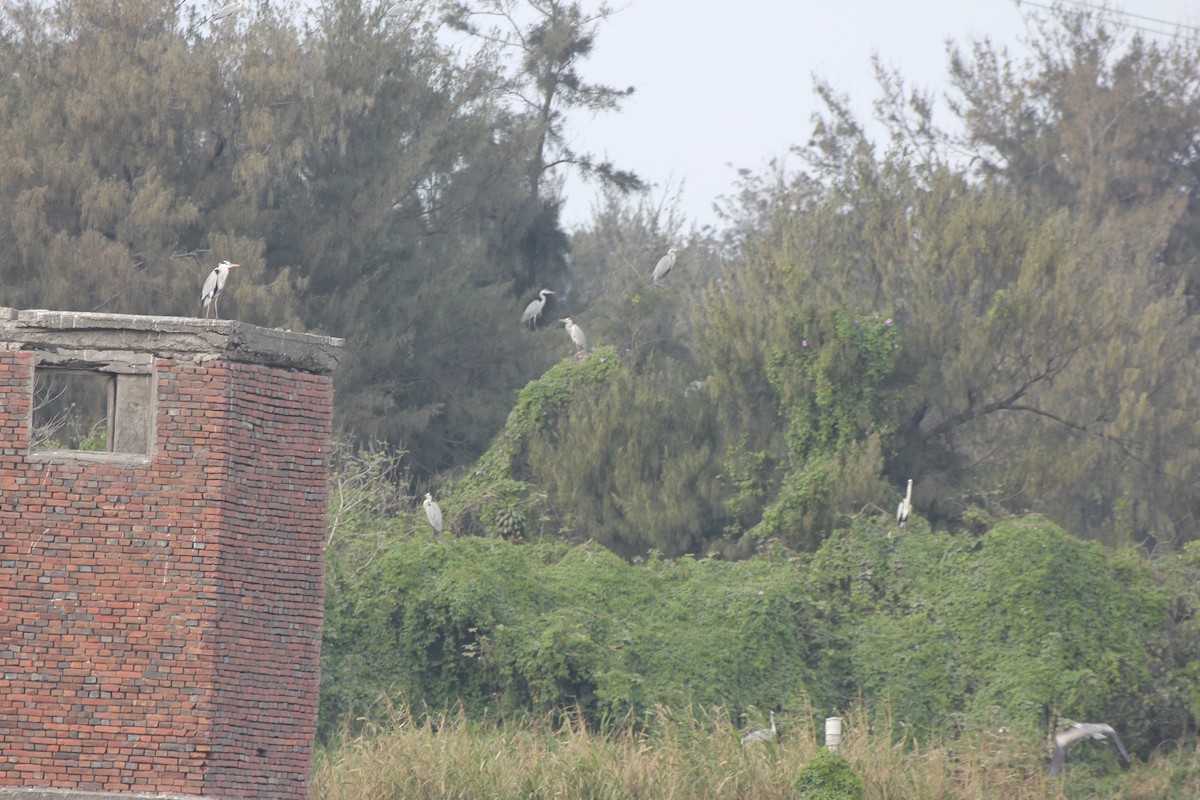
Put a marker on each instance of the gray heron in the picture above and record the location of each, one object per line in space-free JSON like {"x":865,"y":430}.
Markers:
{"x":576,"y":334}
{"x":664,"y":266}
{"x":534,"y":309}
{"x":227,"y":10}
{"x":213,"y":285}
{"x":434,"y":513}
{"x":1066,"y":739}
{"x":905,"y":507}
{"x":762,"y":735}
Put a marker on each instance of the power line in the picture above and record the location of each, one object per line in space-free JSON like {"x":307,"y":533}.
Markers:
{"x":1176,"y":27}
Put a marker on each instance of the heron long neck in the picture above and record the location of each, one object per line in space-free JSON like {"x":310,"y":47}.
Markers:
{"x":908,"y":494}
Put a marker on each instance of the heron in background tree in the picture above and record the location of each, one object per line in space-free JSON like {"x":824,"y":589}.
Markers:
{"x":576,"y":334}
{"x":433,"y":512}
{"x":905,"y":507}
{"x":534,"y":309}
{"x":213,"y":286}
{"x":664,"y":266}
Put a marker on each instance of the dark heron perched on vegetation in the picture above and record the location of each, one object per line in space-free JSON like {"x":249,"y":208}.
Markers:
{"x":534,"y":309}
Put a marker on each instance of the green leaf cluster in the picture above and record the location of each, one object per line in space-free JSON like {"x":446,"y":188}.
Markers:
{"x":1025,"y":623}
{"x":1023,"y":626}
{"x":829,"y":776}
{"x":507,"y":629}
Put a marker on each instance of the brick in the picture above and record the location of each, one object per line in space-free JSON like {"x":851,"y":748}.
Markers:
{"x":148,"y":602}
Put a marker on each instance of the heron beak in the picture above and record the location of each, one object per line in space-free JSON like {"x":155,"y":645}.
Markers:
{"x":235,"y":265}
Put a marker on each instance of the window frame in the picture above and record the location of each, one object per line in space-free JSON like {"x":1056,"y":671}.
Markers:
{"x":130,"y":403}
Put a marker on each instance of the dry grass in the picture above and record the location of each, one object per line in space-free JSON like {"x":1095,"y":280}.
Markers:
{"x":689,"y":757}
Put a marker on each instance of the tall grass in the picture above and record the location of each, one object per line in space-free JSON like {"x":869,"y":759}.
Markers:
{"x":698,"y":756}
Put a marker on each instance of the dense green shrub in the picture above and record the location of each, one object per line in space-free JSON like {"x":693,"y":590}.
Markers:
{"x":829,"y":777}
{"x":507,"y":629}
{"x":1019,"y":627}
{"x":1024,"y":624}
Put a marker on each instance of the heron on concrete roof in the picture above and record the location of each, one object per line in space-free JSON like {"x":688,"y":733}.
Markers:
{"x":213,"y":285}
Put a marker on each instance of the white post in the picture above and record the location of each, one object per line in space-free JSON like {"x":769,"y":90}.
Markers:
{"x":833,"y":733}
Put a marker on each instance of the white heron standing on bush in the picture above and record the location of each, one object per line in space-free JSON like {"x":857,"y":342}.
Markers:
{"x":534,"y":309}
{"x":433,"y":513}
{"x":905,"y":507}
{"x":576,"y":334}
{"x":213,"y":285}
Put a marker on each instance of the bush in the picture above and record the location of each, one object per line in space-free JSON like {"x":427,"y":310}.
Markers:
{"x":504,"y":630}
{"x":829,"y":777}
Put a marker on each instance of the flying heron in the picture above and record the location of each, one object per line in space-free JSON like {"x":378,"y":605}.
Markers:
{"x":227,"y":10}
{"x":1065,"y":740}
{"x":762,"y":735}
{"x":905,"y":507}
{"x":576,"y":334}
{"x":213,"y":286}
{"x":434,"y":512}
{"x":534,"y":309}
{"x":665,"y":265}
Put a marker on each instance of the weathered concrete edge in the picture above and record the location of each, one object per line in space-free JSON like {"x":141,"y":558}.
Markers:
{"x":186,"y":337}
{"x":72,"y":794}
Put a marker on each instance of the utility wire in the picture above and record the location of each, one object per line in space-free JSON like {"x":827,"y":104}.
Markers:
{"x":1176,"y":27}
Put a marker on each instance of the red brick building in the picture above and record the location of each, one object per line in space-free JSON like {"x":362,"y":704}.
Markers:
{"x":161,"y":578}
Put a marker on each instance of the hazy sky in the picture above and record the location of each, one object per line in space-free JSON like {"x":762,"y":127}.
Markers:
{"x":725,"y":85}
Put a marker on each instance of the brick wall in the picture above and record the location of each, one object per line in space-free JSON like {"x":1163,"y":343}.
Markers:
{"x":160,"y":614}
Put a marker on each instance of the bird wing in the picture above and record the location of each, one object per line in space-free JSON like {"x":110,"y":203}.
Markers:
{"x":1121,"y":749}
{"x":531,"y":311}
{"x":663,"y":267}
{"x":210,"y":287}
{"x":1099,"y":730}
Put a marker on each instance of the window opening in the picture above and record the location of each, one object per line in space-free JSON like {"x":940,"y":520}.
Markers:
{"x":70,"y":410}
{"x":91,"y":411}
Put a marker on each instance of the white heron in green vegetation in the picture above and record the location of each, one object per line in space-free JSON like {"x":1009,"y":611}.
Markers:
{"x":762,"y":735}
{"x":534,"y":309}
{"x":1065,"y":740}
{"x":905,"y":507}
{"x":576,"y":334}
{"x":664,"y":266}
{"x":433,"y":512}
{"x":213,"y":286}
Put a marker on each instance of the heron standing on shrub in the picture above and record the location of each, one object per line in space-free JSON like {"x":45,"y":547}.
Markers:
{"x":905,"y":507}
{"x":433,"y":512}
{"x":576,"y":334}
